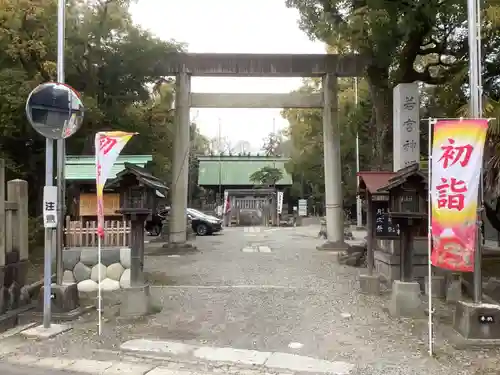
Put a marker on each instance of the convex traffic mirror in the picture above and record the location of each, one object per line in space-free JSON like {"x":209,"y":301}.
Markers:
{"x":55,"y":110}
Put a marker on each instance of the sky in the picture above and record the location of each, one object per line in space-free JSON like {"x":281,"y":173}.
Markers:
{"x":225,"y":26}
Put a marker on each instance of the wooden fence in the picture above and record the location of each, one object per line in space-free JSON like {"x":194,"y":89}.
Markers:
{"x":84,"y":233}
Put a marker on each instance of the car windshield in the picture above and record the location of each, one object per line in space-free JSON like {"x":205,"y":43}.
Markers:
{"x":197,"y":213}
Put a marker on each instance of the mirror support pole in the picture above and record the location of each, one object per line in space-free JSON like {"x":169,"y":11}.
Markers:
{"x":64,"y":297}
{"x":61,"y":152}
{"x":61,"y":193}
{"x":48,"y":243}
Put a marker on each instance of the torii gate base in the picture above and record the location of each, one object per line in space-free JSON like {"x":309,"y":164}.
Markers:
{"x":329,"y":67}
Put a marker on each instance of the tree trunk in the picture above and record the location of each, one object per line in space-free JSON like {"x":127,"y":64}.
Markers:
{"x":381,"y":94}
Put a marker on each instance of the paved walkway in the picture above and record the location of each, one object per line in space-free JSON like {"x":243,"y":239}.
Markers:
{"x":289,"y":299}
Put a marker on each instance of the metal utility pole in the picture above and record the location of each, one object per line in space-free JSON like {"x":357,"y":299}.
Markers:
{"x":274,"y":140}
{"x":359,"y":216}
{"x":49,"y":235}
{"x":61,"y":146}
{"x":49,"y":180}
{"x":479,"y":64}
{"x":219,"y":137}
{"x":474,"y":23}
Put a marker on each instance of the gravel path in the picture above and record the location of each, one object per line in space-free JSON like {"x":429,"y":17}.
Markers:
{"x":221,"y":296}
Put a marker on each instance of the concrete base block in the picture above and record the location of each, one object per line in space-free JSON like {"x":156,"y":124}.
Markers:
{"x":64,"y":298}
{"x":39,"y":332}
{"x":65,"y":305}
{"x":136,"y":302}
{"x":477,"y":321}
{"x":405,"y":300}
{"x":492,"y":289}
{"x":179,"y":245}
{"x":454,"y":291}
{"x":387,"y":265}
{"x":37,"y":316}
{"x":369,"y":284}
{"x":159,"y":239}
{"x":333,"y":246}
{"x":438,"y":286}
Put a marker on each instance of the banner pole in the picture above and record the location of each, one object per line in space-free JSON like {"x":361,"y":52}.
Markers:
{"x":429,"y":236}
{"x":475,"y":111}
{"x":477,"y":275}
{"x":105,"y":142}
{"x":99,"y":296}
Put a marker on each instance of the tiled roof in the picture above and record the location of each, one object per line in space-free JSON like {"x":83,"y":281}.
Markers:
{"x":82,"y":168}
{"x":401,"y":176}
{"x":236,"y":170}
{"x":142,"y":175}
{"x":374,"y":180}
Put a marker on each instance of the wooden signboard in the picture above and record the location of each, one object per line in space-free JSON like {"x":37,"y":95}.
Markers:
{"x":383,"y":226}
{"x":88,"y":204}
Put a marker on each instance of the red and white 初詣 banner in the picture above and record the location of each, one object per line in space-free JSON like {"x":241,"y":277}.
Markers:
{"x":457,"y":158}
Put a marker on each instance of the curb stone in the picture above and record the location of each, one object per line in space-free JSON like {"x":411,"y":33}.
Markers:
{"x":87,"y":366}
{"x":96,"y":367}
{"x":133,"y":364}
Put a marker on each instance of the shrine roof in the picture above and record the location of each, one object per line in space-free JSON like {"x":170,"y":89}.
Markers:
{"x":401,"y":176}
{"x":256,"y":191}
{"x":142,"y":175}
{"x":81,"y":168}
{"x":374,"y":180}
{"x":235,"y":170}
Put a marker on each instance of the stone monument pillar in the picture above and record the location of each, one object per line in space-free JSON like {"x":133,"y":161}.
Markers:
{"x":406,"y":144}
{"x":333,"y":168}
{"x":405,"y":298}
{"x":406,"y":128}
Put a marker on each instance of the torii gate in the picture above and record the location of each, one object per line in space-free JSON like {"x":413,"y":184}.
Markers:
{"x":328,"y":67}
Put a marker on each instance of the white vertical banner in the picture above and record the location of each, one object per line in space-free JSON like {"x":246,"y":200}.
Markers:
{"x":280,"y":202}
{"x":302,"y":207}
{"x":108,"y":146}
{"x":226,"y":202}
{"x":406,"y":125}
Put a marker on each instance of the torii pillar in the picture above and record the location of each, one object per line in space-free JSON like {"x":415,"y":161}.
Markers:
{"x":180,"y":168}
{"x":333,"y":167}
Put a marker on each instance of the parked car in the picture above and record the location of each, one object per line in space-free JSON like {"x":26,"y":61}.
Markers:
{"x":201,"y":223}
{"x":204,"y":224}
